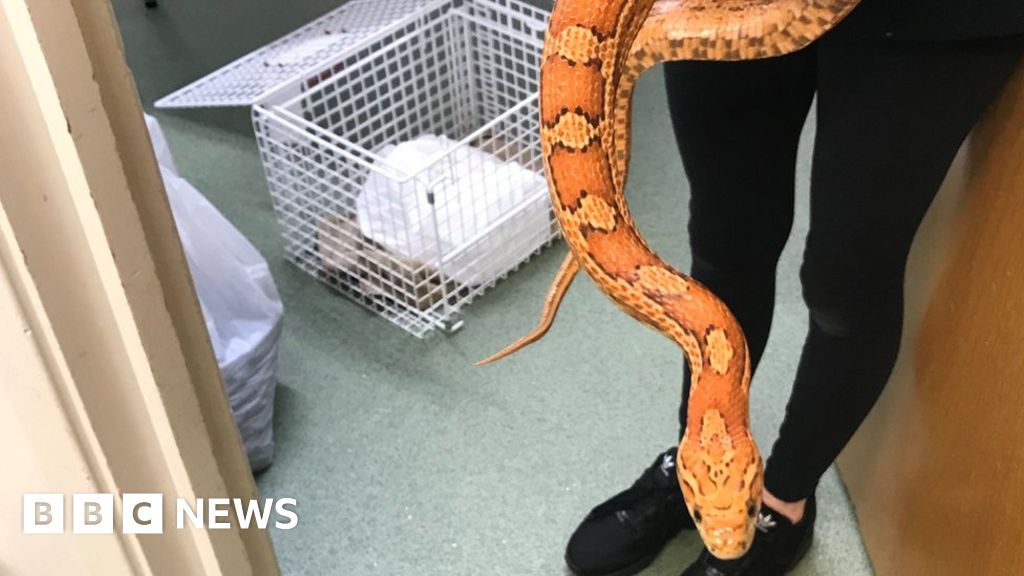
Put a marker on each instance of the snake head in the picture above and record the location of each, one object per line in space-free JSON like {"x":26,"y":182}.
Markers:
{"x":721,"y":480}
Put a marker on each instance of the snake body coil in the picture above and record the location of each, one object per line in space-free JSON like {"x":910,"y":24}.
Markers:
{"x":593,"y":54}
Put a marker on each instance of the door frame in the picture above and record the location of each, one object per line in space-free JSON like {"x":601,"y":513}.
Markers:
{"x":112,"y":381}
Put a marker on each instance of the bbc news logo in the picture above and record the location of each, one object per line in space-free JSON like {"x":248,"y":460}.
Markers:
{"x":144,"y":513}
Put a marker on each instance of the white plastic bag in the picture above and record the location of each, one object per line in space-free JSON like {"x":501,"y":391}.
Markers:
{"x":240,"y":304}
{"x":478,"y":194}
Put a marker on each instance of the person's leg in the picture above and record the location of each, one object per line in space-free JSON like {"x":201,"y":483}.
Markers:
{"x":737,"y":125}
{"x":891,"y":116}
{"x":890,"y":119}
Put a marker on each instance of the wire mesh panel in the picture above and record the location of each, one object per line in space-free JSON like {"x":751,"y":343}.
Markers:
{"x":245,"y":81}
{"x":407,"y":174}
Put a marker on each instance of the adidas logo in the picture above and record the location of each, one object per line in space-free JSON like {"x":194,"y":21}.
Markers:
{"x":668,"y":462}
{"x":765,"y":522}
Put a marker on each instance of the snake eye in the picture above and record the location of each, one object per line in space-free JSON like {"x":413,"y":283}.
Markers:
{"x":697,"y":517}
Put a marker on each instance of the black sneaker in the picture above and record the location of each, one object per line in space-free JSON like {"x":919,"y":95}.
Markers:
{"x":624,"y":535}
{"x":779,"y":545}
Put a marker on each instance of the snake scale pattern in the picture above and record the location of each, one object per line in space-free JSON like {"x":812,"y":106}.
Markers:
{"x":593,"y":53}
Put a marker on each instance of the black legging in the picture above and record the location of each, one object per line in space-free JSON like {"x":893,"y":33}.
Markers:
{"x":890,"y":118}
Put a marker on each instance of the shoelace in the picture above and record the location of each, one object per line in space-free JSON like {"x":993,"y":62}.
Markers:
{"x":637,"y":520}
{"x":648,"y":503}
{"x":715,"y":567}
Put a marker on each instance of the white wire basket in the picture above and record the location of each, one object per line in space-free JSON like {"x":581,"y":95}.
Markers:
{"x":406,"y":172}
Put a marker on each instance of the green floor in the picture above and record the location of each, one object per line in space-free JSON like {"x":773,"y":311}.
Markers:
{"x":404,"y":458}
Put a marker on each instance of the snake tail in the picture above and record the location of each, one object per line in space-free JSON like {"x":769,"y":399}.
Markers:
{"x":563,"y":279}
